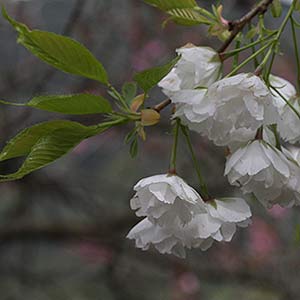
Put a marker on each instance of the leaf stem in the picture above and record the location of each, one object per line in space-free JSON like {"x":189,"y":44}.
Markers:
{"x":172,"y":169}
{"x":111,"y":123}
{"x":287,"y":102}
{"x":203,"y":185}
{"x":296,"y":52}
{"x":118,"y":96}
{"x":277,"y":139}
{"x":228,"y":54}
{"x":246,"y":61}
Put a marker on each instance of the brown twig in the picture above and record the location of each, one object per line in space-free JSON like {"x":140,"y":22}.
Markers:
{"x":238,"y":25}
{"x":159,"y":107}
{"x":235,"y":27}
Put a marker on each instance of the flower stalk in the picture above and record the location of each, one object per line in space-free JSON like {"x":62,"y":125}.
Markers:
{"x":203,"y":186}
{"x":172,"y":169}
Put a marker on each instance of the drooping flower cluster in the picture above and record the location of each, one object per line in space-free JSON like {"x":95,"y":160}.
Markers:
{"x":272,"y":176}
{"x":241,"y":112}
{"x":176,"y":217}
{"x":197,"y":67}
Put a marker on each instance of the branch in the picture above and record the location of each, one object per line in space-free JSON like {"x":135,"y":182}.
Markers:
{"x":235,"y":27}
{"x":238,"y":25}
{"x":159,"y":107}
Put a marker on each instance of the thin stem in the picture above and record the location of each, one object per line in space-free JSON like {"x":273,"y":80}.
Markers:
{"x":277,"y":38}
{"x":12,"y":103}
{"x":228,"y":54}
{"x":114,"y":122}
{"x":253,"y":49}
{"x":296,"y":52}
{"x":264,"y":61}
{"x":172,"y":169}
{"x":277,"y":139}
{"x":203,"y":185}
{"x":236,"y":56}
{"x":130,"y":116}
{"x":118,"y":96}
{"x":286,"y":19}
{"x":246,"y":61}
{"x":267,"y":75}
{"x":286,"y":101}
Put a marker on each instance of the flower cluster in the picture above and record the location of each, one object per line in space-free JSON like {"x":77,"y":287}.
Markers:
{"x":243,"y":113}
{"x":176,"y":217}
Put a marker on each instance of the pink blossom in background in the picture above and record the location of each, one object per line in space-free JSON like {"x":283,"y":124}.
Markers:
{"x":94,"y":252}
{"x":263,"y":239}
{"x":188,"y":283}
{"x":147,"y":56}
{"x":278,"y":212}
{"x":229,"y":259}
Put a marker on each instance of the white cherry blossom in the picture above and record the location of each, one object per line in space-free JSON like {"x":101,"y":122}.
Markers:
{"x":231,"y":212}
{"x":269,"y":174}
{"x":197,"y":66}
{"x":217,"y":223}
{"x":243,"y":103}
{"x":230,"y":111}
{"x":289,"y":123}
{"x":166,"y":199}
{"x":284,"y":87}
{"x":194,"y":109}
{"x":167,"y":239}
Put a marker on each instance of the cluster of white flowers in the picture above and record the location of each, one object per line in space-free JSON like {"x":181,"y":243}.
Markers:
{"x":240,"y":112}
{"x":176,"y":217}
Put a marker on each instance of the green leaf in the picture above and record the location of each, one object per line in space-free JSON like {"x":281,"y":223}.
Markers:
{"x":149,"y":78}
{"x":79,"y":104}
{"x":134,"y":148}
{"x":276,"y":8}
{"x":44,"y":143}
{"x":130,"y":135}
{"x":187,"y":16}
{"x":72,"y":104}
{"x":184,"y":12}
{"x":252,"y":32}
{"x":59,"y":51}
{"x":171,"y":4}
{"x":129,"y":90}
{"x":297,"y":234}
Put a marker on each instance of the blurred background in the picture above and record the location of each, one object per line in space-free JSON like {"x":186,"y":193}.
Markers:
{"x":63,"y":228}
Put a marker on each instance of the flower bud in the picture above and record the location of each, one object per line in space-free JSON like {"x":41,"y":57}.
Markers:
{"x":137,"y":102}
{"x":149,"y":117}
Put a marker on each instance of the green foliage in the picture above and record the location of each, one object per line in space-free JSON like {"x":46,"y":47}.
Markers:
{"x":129,"y":90}
{"x":79,"y":104}
{"x":60,"y":52}
{"x":252,"y":32}
{"x":46,"y":142}
{"x":297,"y":234}
{"x":185,"y":12}
{"x":276,"y":8}
{"x":134,"y":148}
{"x":297,"y":6}
{"x":149,"y":78}
{"x":171,"y":4}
